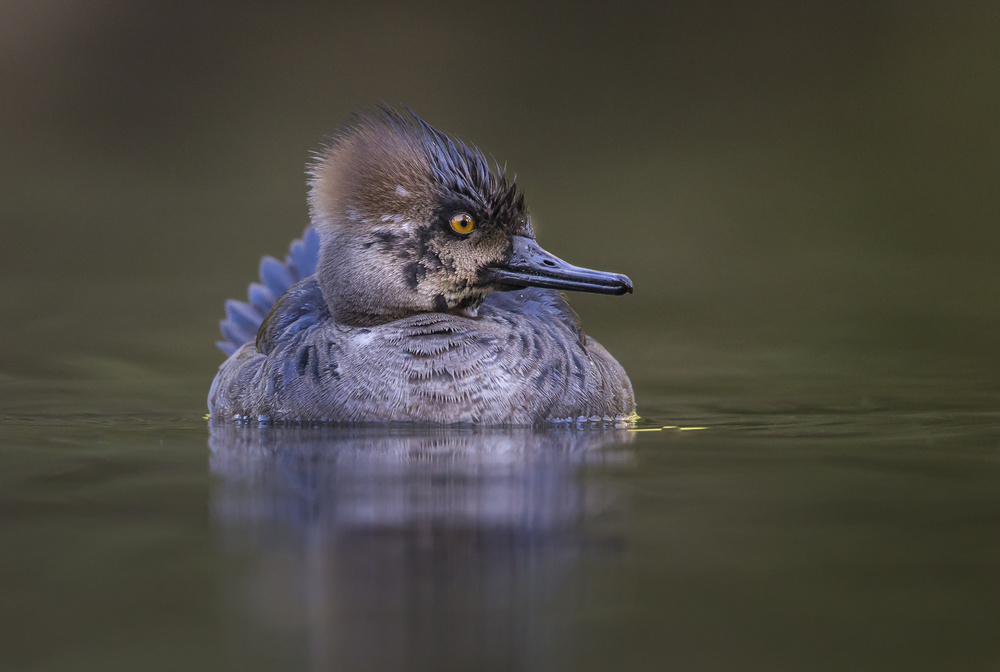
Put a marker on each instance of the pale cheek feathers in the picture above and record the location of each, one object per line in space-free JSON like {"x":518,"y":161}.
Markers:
{"x":464,"y":260}
{"x":449,"y":270}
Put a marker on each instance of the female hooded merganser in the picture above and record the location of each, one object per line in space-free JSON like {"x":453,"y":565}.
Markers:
{"x":423,"y":297}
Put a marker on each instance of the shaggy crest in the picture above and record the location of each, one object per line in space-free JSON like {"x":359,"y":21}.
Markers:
{"x":456,"y":168}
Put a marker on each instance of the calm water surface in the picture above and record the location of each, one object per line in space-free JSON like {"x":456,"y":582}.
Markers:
{"x":821,"y":519}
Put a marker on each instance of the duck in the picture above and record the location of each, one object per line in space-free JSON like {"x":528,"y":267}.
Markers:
{"x":417,"y":294}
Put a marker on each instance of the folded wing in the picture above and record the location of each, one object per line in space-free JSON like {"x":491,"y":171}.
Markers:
{"x":243,"y":318}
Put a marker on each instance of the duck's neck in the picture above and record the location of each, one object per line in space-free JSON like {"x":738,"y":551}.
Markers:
{"x":358,"y":290}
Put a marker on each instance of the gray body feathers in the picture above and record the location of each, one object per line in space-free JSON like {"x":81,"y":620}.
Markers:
{"x":522,"y":361}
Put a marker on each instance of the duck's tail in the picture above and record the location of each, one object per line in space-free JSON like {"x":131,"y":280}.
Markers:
{"x":243,"y":318}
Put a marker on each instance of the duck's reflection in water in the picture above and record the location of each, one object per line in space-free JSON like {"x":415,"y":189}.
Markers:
{"x":394,"y":548}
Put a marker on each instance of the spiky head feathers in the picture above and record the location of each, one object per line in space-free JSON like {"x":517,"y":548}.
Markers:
{"x":385,"y":163}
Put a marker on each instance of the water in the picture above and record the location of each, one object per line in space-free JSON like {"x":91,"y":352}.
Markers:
{"x":794,"y":531}
{"x":804,"y":201}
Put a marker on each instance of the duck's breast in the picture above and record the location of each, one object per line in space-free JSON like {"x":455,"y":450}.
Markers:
{"x":523,"y":360}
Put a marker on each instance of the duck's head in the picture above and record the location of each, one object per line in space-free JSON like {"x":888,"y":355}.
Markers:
{"x":414,"y":221}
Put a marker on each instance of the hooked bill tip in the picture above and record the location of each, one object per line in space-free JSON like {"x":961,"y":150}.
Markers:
{"x":626,"y":284}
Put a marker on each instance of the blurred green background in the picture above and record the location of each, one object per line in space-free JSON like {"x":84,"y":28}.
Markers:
{"x":776,"y":178}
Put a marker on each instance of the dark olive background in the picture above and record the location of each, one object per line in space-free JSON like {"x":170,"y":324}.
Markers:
{"x":804,"y":195}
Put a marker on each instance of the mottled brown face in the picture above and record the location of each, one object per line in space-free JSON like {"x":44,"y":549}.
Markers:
{"x":445,"y":257}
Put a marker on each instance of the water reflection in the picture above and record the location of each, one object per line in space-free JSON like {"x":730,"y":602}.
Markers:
{"x":388,"y":547}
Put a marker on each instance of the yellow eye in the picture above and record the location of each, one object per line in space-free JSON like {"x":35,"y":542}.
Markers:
{"x":463,"y":223}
